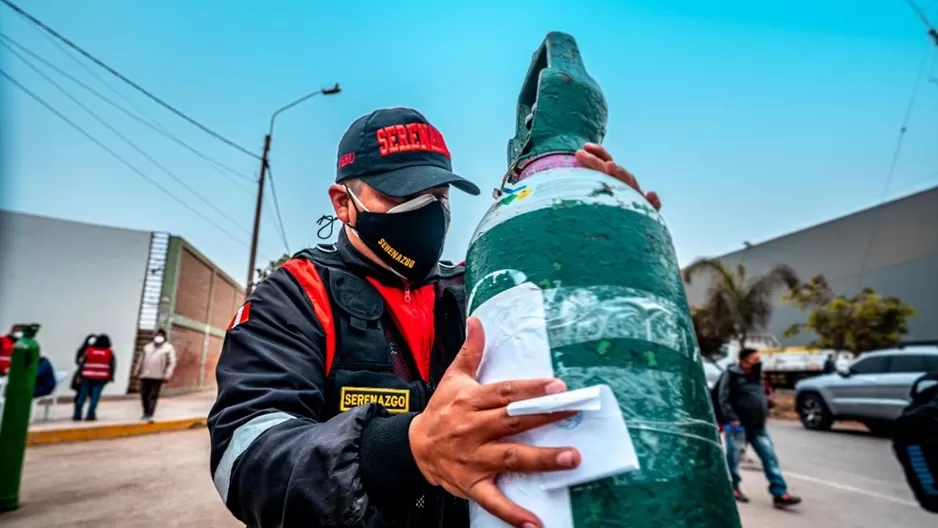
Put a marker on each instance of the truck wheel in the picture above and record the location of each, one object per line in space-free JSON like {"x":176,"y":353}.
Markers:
{"x":814,"y":413}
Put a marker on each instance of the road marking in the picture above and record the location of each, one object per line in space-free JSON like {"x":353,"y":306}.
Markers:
{"x":852,"y":489}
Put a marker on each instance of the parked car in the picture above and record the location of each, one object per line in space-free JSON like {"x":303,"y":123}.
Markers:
{"x":873,"y":390}
{"x":713,"y":369}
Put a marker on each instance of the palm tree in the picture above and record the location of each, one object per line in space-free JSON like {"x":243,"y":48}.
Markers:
{"x":740,"y":304}
{"x":711,"y":332}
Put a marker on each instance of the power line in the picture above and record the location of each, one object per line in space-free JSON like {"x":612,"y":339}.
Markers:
{"x":273,"y":192}
{"x":92,"y":73}
{"x":147,"y":119}
{"x":271,"y":204}
{"x":118,"y":157}
{"x":217,"y":165}
{"x":895,"y":155}
{"x":918,"y":11}
{"x":150,"y":121}
{"x":906,"y":118}
{"x":122,"y":77}
{"x":127,"y":140}
{"x":916,"y":182}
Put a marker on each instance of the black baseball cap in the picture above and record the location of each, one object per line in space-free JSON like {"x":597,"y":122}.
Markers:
{"x":398,"y":153}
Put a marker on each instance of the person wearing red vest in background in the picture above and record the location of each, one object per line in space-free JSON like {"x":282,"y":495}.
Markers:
{"x":6,"y":348}
{"x":97,"y":370}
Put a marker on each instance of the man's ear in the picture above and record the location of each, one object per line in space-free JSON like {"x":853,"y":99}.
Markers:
{"x":341,"y":204}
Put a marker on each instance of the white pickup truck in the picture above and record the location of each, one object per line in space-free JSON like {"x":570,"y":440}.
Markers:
{"x":783,"y":366}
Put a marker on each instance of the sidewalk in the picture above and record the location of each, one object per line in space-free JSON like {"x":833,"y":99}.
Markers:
{"x":119,"y":418}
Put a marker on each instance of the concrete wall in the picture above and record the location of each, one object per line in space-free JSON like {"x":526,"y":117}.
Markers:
{"x":74,"y":279}
{"x":902,"y":236}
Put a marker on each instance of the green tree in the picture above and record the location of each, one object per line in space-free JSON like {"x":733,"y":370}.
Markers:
{"x":740,"y":305}
{"x":711,"y":336}
{"x":271,"y":267}
{"x":867,"y":321}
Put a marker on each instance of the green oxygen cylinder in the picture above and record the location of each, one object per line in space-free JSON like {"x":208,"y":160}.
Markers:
{"x":602,"y":264}
{"x":21,"y":382}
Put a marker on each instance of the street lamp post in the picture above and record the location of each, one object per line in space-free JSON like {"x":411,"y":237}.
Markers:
{"x":260,"y":182}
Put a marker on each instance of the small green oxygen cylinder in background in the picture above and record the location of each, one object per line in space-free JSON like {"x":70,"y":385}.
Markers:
{"x":614,"y":305}
{"x":21,"y":383}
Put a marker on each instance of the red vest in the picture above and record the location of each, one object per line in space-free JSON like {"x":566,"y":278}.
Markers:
{"x":97,"y":365}
{"x":6,"y":353}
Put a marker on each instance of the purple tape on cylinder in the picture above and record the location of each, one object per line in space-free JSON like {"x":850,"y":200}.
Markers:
{"x":551,"y":161}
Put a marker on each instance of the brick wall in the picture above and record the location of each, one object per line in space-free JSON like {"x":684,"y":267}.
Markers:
{"x":203,"y":296}
{"x":226,"y":299}
{"x":194,"y":287}
{"x":211,"y":360}
{"x":188,"y":344}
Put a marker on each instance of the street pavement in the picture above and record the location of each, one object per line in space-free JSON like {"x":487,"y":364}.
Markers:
{"x":847,"y":478}
{"x":145,"y":481}
{"x":126,"y":410}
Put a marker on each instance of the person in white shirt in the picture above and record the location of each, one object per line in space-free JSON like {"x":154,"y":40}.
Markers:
{"x":155,"y":367}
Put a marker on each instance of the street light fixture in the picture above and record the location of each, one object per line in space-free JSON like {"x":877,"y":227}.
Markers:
{"x":260,"y":182}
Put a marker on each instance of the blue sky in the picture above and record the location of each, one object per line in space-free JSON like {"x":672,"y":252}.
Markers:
{"x":751,"y":119}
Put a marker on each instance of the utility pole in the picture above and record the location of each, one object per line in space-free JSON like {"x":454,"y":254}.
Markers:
{"x":252,"y":259}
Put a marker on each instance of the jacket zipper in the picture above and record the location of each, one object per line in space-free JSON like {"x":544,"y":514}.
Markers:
{"x":407,"y":292}
{"x":442,"y":511}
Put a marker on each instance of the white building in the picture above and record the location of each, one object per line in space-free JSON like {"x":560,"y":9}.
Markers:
{"x":75,"y":279}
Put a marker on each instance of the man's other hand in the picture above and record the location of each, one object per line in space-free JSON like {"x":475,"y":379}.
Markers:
{"x":596,"y":157}
{"x":458,"y":440}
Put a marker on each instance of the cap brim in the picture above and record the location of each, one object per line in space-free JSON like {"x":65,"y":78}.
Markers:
{"x":408,"y":181}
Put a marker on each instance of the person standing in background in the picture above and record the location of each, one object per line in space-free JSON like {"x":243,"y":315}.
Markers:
{"x":79,"y":357}
{"x":97,"y":370}
{"x":45,"y":378}
{"x":156,"y":365}
{"x":830,"y":365}
{"x":80,"y":353}
{"x":6,"y":348}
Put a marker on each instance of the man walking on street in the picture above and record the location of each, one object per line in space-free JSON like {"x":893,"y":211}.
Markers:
{"x":745,"y":409}
{"x":156,"y":365}
{"x":347,"y":391}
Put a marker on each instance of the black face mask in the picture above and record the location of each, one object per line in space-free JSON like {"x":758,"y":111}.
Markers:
{"x":410,"y":242}
{"x":755,"y":370}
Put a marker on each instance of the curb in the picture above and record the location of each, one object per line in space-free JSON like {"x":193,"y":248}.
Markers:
{"x":104,"y":432}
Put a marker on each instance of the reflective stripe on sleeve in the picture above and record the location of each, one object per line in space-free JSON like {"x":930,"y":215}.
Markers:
{"x":242,"y":438}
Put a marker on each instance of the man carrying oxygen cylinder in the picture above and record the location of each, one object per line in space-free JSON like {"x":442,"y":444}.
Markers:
{"x":347,"y":391}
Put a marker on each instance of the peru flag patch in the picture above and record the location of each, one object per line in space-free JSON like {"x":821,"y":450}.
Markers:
{"x":244,"y":313}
